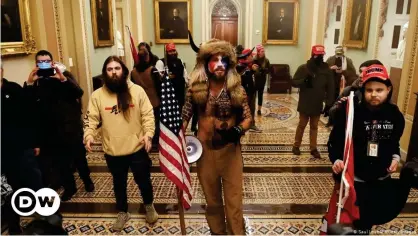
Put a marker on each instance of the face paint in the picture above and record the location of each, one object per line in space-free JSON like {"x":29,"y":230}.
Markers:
{"x":218,"y":63}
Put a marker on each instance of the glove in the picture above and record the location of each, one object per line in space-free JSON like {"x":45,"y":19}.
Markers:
{"x":231,"y":135}
{"x":326,"y":110}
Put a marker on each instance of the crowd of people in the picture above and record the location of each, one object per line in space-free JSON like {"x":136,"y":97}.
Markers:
{"x":47,"y":138}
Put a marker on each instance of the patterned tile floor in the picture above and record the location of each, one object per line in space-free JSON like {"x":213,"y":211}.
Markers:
{"x":196,"y":225}
{"x":259,"y":188}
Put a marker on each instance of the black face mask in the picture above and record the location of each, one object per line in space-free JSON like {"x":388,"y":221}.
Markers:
{"x":319,"y":59}
{"x":172,"y":57}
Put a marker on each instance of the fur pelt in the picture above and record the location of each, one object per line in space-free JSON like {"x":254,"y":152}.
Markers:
{"x":198,"y":77}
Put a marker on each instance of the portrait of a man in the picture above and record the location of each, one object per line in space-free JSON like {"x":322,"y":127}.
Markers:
{"x":172,"y":20}
{"x":357,"y":20}
{"x":357,"y":23}
{"x":282,"y":19}
{"x":101,"y":12}
{"x":10,"y":22}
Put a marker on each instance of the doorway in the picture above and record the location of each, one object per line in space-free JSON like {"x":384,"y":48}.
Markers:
{"x":224,"y":24}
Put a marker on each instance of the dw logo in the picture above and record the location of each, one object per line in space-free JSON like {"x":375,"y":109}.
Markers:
{"x":45,"y":202}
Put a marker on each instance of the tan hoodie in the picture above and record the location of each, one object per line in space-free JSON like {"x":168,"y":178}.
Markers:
{"x":120,"y":137}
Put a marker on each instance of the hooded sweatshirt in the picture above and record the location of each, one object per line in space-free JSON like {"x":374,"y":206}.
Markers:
{"x":120,"y":136}
{"x":383,"y":126}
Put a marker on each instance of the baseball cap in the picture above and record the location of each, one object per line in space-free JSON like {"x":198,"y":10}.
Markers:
{"x":376,"y":73}
{"x":170,"y":47}
{"x":339,"y":50}
{"x":318,"y":50}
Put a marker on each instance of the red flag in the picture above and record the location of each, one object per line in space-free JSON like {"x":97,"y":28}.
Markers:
{"x":172,"y":143}
{"x":133,"y":48}
{"x":342,"y":207}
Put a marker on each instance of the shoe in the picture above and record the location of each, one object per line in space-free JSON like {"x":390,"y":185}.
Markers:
{"x":121,"y":220}
{"x":259,"y":112}
{"x":89,"y":186}
{"x":255,"y":129}
{"x":315,"y":153}
{"x":151,"y":215}
{"x":68,"y":194}
{"x":296,"y":151}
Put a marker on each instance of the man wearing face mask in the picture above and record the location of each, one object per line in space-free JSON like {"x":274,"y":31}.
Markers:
{"x":223,"y":117}
{"x":176,"y":70}
{"x":148,"y":77}
{"x":314,"y":79}
{"x":127,"y":130}
{"x":56,"y":98}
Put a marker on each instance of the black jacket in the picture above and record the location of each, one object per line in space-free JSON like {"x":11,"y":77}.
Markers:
{"x":384,"y":126}
{"x":17,"y":130}
{"x":59,"y":106}
{"x":247,"y":81}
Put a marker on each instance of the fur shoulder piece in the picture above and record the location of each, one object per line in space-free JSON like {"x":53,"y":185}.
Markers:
{"x":199,"y":80}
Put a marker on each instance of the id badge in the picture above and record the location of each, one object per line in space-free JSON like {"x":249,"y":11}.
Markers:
{"x":372,"y":148}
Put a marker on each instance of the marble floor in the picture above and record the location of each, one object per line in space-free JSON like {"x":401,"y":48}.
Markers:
{"x":283,"y":193}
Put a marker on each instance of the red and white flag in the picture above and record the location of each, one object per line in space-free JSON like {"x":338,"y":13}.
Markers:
{"x":342,"y":207}
{"x":172,"y":143}
{"x":133,"y":47}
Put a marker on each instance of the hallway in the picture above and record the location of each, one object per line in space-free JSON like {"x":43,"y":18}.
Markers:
{"x":283,"y":193}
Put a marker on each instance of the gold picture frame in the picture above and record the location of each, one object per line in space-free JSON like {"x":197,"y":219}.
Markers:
{"x":170,"y":28}
{"x":102,"y":22}
{"x":26,"y":43}
{"x":356,"y":32}
{"x":280,"y":27}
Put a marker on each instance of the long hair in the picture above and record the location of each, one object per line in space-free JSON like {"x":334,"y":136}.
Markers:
{"x":124,"y":96}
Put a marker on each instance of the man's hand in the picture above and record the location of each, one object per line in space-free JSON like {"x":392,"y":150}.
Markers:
{"x":339,"y":71}
{"x":232,"y":135}
{"x":87,"y":143}
{"x":147,"y":141}
{"x":254,"y":67}
{"x":392,"y":168}
{"x":59,"y":75}
{"x":338,"y":166}
{"x":36,"y":151}
{"x":334,"y":67}
{"x":33,"y":76}
{"x":343,"y":99}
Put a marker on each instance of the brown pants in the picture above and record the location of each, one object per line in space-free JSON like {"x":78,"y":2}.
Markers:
{"x":217,"y":168}
{"x":313,"y":131}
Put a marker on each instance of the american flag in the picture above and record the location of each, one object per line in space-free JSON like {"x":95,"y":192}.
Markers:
{"x":342,"y":207}
{"x":172,"y":143}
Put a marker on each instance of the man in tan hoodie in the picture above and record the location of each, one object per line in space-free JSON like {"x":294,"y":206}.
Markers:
{"x":127,"y":129}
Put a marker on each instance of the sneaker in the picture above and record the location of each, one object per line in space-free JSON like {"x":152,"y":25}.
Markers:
{"x":315,"y":153}
{"x":120,"y":222}
{"x":151,"y":215}
{"x":255,"y":129}
{"x":68,"y":194}
{"x":296,"y":151}
{"x":259,"y":112}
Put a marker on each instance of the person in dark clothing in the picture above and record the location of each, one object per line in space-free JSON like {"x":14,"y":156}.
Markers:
{"x":314,"y":79}
{"x":19,"y":147}
{"x":355,"y":87}
{"x":260,"y":75}
{"x":247,"y":69}
{"x":56,"y":98}
{"x":176,"y":71}
{"x":153,"y":58}
{"x":377,"y":129}
{"x":238,"y":49}
{"x":147,"y":76}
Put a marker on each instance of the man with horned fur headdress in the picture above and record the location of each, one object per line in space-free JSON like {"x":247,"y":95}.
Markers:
{"x":223,"y":117}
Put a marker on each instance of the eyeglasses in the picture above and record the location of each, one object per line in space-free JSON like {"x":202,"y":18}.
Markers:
{"x":43,"y":61}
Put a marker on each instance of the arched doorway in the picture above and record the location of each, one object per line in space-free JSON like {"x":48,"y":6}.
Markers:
{"x":225,"y":21}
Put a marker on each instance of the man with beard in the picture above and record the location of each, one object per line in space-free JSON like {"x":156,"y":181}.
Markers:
{"x":260,"y":75}
{"x":127,"y":130}
{"x":148,"y":77}
{"x":314,"y":79}
{"x":247,"y":70}
{"x":224,"y":116}
{"x":153,"y":58}
{"x":56,"y":98}
{"x":176,"y":70}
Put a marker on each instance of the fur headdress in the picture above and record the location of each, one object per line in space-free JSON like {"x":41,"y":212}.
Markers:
{"x":199,"y":79}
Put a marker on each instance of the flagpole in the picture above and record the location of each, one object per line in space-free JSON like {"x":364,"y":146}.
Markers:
{"x":181,"y":211}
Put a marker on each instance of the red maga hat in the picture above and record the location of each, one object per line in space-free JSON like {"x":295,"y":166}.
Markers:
{"x":318,"y":50}
{"x":170,"y":47}
{"x":375,"y":71}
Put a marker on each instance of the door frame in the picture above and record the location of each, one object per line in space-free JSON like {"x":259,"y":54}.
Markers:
{"x":232,"y":18}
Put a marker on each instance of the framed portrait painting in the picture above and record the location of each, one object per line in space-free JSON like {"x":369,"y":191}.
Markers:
{"x":357,"y":23}
{"x":281,"y":20}
{"x":16,"y":30}
{"x":172,"y":20}
{"x":102,"y":22}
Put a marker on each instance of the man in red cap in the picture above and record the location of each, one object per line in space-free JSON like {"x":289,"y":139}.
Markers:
{"x":176,"y":71}
{"x":377,"y":129}
{"x":315,"y":81}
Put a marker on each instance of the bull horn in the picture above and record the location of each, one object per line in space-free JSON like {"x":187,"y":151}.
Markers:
{"x":192,"y":44}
